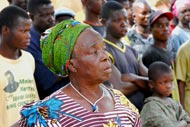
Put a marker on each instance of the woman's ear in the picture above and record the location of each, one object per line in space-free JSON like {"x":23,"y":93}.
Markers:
{"x":71,"y":66}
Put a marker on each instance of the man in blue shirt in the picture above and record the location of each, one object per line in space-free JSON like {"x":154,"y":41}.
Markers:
{"x":42,"y":15}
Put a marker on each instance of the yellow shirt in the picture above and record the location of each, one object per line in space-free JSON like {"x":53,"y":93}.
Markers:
{"x":17,"y":87}
{"x":183,"y":70}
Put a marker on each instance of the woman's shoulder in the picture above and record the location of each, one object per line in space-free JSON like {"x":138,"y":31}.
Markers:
{"x":124,"y":100}
{"x":41,"y":112}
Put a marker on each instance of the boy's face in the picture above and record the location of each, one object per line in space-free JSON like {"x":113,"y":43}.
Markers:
{"x":19,"y":36}
{"x":116,"y":24}
{"x":161,"y":29}
{"x":162,"y":87}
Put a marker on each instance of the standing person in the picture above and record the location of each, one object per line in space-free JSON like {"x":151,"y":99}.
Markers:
{"x":160,"y":29}
{"x":174,"y":21}
{"x":181,"y":32}
{"x":139,"y":34}
{"x":85,"y":101}
{"x":17,"y":84}
{"x":125,"y":58}
{"x":160,"y":110}
{"x":42,"y":15}
{"x":126,"y":5}
{"x":92,"y":10}
{"x":130,"y":13}
{"x":20,"y":3}
{"x":182,"y":70}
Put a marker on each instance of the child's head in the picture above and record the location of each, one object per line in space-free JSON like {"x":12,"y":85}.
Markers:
{"x":160,"y":25}
{"x":15,"y":27}
{"x":114,"y":18}
{"x":161,"y":79}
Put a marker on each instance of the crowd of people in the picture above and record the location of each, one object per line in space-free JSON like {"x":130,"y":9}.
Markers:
{"x":126,"y":64}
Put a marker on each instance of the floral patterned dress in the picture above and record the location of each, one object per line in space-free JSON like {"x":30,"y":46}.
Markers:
{"x":59,"y":110}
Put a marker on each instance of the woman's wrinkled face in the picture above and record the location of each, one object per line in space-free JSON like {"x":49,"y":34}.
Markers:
{"x":90,"y":58}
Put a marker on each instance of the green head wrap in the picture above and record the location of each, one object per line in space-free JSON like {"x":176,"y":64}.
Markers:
{"x":58,"y":45}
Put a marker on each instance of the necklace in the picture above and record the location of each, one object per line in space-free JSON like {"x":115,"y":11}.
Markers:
{"x":94,"y":105}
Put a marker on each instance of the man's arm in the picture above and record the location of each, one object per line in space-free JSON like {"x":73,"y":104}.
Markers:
{"x":139,"y":81}
{"x":124,"y":86}
{"x":143,"y":70}
{"x":181,"y":86}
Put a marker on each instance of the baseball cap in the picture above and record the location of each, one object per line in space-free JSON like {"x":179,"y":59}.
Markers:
{"x":156,"y":14}
{"x":64,"y":11}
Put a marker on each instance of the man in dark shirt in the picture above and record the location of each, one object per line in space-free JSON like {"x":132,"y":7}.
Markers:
{"x":42,"y":15}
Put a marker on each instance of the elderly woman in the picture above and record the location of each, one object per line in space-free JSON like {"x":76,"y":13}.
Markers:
{"x":76,"y":50}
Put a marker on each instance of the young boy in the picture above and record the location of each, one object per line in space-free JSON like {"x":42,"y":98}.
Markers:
{"x":42,"y":16}
{"x":160,"y":110}
{"x":17,"y":84}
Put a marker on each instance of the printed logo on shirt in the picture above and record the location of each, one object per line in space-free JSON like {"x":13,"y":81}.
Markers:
{"x":12,"y":84}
